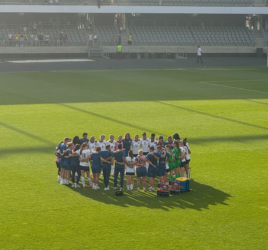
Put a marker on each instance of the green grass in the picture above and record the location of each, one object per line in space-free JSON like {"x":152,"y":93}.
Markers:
{"x":227,"y":129}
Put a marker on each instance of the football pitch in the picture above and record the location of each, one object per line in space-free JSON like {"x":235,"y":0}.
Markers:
{"x":222,"y":111}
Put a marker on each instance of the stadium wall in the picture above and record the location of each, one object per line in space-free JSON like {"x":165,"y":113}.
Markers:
{"x":133,"y":9}
{"x":81,"y":51}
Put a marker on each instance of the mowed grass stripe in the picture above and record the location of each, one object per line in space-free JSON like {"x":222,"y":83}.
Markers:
{"x":62,"y":87}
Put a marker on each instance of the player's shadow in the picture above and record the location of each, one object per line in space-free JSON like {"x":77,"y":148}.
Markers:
{"x":200,"y":197}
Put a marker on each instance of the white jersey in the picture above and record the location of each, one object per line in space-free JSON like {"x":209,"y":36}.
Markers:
{"x":85,"y":153}
{"x":130,"y":168}
{"x":187,"y":152}
{"x":101,"y":144}
{"x":153,"y":144}
{"x":183,"y":151}
{"x":136,"y":146}
{"x":145,"y":145}
{"x":199,"y":52}
{"x":112,"y":145}
{"x":91,"y":146}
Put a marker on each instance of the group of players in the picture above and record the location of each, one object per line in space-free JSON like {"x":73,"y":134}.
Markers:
{"x":150,"y":157}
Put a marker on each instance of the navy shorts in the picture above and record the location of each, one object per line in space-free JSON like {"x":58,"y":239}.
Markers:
{"x":67,"y":166}
{"x":187,"y":161}
{"x":182,"y":164}
{"x":141,"y":172}
{"x":96,"y":169}
{"x":84,"y":168}
{"x":62,"y":164}
{"x":161,"y":171}
{"x":152,"y":172}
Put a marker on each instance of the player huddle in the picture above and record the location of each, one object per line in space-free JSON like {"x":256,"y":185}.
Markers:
{"x":144,"y":157}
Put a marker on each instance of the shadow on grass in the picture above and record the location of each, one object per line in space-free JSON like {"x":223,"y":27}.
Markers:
{"x":214,"y":116}
{"x":200,"y":197}
{"x":27,"y":134}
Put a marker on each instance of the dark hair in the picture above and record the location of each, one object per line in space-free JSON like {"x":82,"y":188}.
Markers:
{"x":130,"y":153}
{"x":151,"y":148}
{"x":153,"y":134}
{"x":168,"y":146}
{"x":76,"y":147}
{"x":126,"y":136}
{"x":119,"y":146}
{"x":176,"y":136}
{"x":83,"y":145}
{"x":98,"y":149}
{"x":107,"y":146}
{"x":85,"y":133}
{"x":76,"y":140}
{"x":177,"y":146}
{"x":159,"y":147}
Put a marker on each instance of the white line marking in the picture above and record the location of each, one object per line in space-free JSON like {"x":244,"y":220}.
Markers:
{"x":257,"y":80}
{"x":53,"y":60}
{"x":234,"y":87}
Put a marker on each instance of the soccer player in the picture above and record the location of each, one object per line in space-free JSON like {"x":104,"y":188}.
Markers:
{"x":76,"y":141}
{"x":106,"y":158}
{"x":161,"y":141}
{"x":84,"y":166}
{"x":130,"y":170}
{"x":67,"y":162}
{"x":120,"y":161}
{"x":141,"y":170}
{"x":171,"y":161}
{"x":169,"y":142}
{"x":162,"y":157}
{"x":183,"y":158}
{"x":127,"y":141}
{"x":136,"y":146}
{"x":101,"y":143}
{"x":75,"y":165}
{"x":119,"y":142}
{"x":176,"y":152}
{"x":145,"y":142}
{"x":153,"y":142}
{"x":152,"y":169}
{"x":83,"y":139}
{"x":62,"y":147}
{"x":176,"y":137}
{"x":96,"y":167}
{"x":92,"y":143}
{"x":57,"y":160}
{"x":112,"y":145}
{"x":188,"y":158}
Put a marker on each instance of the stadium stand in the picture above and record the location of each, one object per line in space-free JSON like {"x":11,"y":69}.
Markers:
{"x":106,"y":34}
{"x":65,"y":36}
{"x":265,"y":36}
{"x":192,"y":35}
